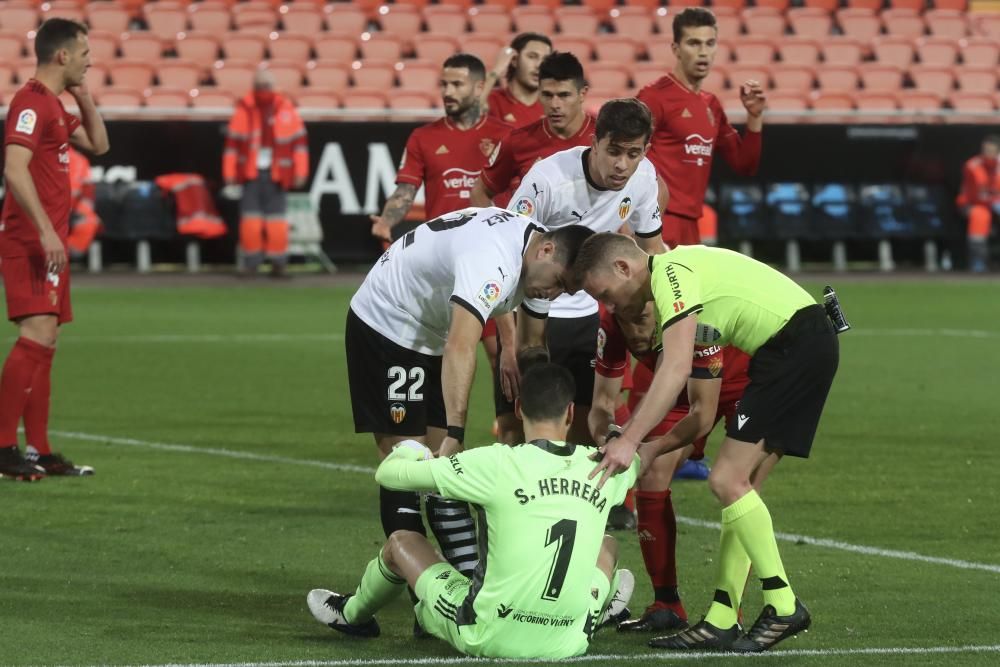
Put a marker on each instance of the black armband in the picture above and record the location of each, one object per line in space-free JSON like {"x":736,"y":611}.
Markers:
{"x":457,"y":432}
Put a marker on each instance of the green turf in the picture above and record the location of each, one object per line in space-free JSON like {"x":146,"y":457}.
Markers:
{"x":180,"y":557}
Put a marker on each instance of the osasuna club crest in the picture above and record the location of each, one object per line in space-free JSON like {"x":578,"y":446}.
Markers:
{"x":624,"y":208}
{"x":397,"y":411}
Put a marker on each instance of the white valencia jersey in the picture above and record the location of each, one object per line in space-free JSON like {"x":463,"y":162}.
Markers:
{"x":471,"y":258}
{"x":557,"y":191}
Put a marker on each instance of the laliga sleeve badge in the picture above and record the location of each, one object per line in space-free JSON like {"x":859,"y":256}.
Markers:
{"x":26,"y":122}
{"x":525,"y":206}
{"x":489,"y":293}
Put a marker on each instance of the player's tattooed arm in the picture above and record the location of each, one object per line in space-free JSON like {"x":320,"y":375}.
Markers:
{"x":480,"y":195}
{"x":395,"y":209}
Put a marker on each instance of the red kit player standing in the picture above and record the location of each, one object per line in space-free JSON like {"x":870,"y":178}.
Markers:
{"x":517,"y":102}
{"x":690,"y":126}
{"x":33,"y":231}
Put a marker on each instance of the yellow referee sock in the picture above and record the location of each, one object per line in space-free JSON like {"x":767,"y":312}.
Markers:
{"x":750,"y":521}
{"x":378,"y":587}
{"x":734,"y":563}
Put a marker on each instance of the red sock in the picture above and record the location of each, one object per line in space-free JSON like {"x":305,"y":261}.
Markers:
{"x":15,"y":386}
{"x":36,"y":411}
{"x":629,"y":501}
{"x":658,"y":541}
{"x":622,"y":414}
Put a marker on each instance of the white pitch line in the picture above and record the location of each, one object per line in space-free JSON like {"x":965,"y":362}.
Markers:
{"x":944,"y":333}
{"x":606,"y":658}
{"x":699,"y":523}
{"x":205,"y":338}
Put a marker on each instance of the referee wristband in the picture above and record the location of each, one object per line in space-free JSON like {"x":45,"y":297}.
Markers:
{"x":614,"y":431}
{"x":457,"y":432}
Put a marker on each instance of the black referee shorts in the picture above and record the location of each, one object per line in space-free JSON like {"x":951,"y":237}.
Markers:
{"x":393,"y":389}
{"x":790,"y":378}
{"x":572,"y":343}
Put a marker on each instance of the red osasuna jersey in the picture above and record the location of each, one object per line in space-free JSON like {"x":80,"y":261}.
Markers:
{"x":710,"y":361}
{"x":522,"y":149}
{"x":447,"y":161}
{"x":688,"y":128}
{"x":37,"y":120}
{"x":504,"y":106}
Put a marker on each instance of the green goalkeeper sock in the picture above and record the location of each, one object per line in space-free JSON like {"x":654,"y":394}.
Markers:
{"x":378,"y":587}
{"x":734,"y":563}
{"x":750,"y":521}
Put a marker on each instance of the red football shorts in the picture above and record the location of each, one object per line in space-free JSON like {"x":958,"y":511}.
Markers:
{"x":31,"y":290}
{"x":678,"y":230}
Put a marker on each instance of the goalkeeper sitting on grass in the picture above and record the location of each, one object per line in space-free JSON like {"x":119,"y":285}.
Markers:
{"x":547,"y":576}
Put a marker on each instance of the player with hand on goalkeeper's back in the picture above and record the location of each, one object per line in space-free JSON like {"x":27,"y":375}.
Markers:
{"x":547,"y":577}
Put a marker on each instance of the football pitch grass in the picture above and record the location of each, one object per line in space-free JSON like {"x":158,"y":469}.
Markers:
{"x":229,"y":483}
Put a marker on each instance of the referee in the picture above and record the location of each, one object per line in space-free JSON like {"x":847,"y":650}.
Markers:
{"x":711,"y":295}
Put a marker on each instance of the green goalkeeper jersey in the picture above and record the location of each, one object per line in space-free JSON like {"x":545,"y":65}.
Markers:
{"x":541,"y":524}
{"x":739,"y":301}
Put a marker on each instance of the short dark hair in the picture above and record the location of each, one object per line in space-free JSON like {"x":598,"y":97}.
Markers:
{"x":467,"y":61}
{"x":530,"y":357}
{"x":519,"y":42}
{"x":624,"y":119}
{"x":598,"y":251}
{"x":54,"y":34}
{"x":693,"y":17}
{"x":562,"y":66}
{"x":568,"y":241}
{"x":546,"y":391}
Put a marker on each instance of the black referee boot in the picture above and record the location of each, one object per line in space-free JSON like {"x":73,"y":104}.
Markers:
{"x":769,"y":629}
{"x":702,"y":636}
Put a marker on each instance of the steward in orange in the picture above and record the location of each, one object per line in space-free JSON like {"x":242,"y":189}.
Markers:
{"x":83,"y":220}
{"x":267,"y":154}
{"x":979,"y":200}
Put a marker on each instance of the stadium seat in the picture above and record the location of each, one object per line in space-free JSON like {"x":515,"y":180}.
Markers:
{"x":972,"y":102}
{"x":97,"y":76}
{"x":213,"y":98}
{"x":987,"y":25}
{"x":141,"y":46}
{"x":941,"y":51}
{"x":418,"y":75}
{"x":360,"y":98}
{"x":411,"y":100}
{"x":581,"y":47}
{"x":165,"y":19}
{"x":301,"y":19}
{"x":798,"y":50}
{"x":343,"y":18}
{"x":419,"y":4}
{"x":740,"y":73}
{"x":334,"y":77}
{"x":868,"y":5}
{"x":645,"y":73}
{"x":913,"y":5}
{"x":210,"y":18}
{"x":179,"y":74}
{"x":199,"y":47}
{"x":764,"y":22}
{"x":947,"y":23}
{"x":833,"y":212}
{"x":234,"y":77}
{"x":532,"y":18}
{"x":741,"y":213}
{"x":489,"y":20}
{"x":860,"y":24}
{"x":919,"y":100}
{"x":792,"y":78}
{"x":659,"y":51}
{"x":729,"y":26}
{"x":244,"y":46}
{"x":25,"y":69}
{"x":605,"y":75}
{"x":722,"y":4}
{"x":317,"y":100}
{"x":980,"y":51}
{"x":957,"y":5}
{"x":903,"y":23}
{"x":883,"y":211}
{"x":287,"y":74}
{"x":896,"y":51}
{"x":254,"y":16}
{"x":841,"y":52}
{"x":107,"y":16}
{"x":134,"y":75}
{"x":634,"y":22}
{"x":826,"y":5}
{"x":123,"y":98}
{"x":435,"y":47}
{"x":754,"y":51}
{"x":335,"y":48}
{"x":577,"y":21}
{"x":67,"y":9}
{"x":663,"y":19}
{"x":780,"y":5}
{"x":373,"y":74}
{"x":875,"y":100}
{"x":939,"y":80}
{"x":7,"y":82}
{"x":12,"y":46}
{"x":787,"y":101}
{"x":502,"y":5}
{"x":810,"y":22}
{"x":837,"y":79}
{"x":18,"y":19}
{"x":883,"y":78}
{"x":832,"y":101}
{"x":400,"y":20}
{"x":597,"y":98}
{"x":166,"y":98}
{"x":445,"y":19}
{"x":600,"y":7}
{"x":617,"y":49}
{"x":381,"y":46}
{"x":717,"y":80}
{"x":103,"y":46}
{"x":977,"y":80}
{"x":790,"y":209}
{"x":484,"y":47}
{"x":287,"y":46}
